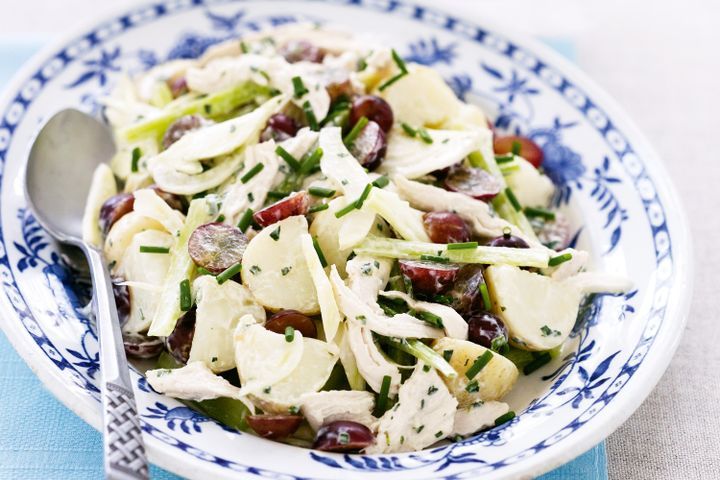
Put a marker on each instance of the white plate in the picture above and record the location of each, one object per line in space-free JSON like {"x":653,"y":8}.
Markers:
{"x":612,"y":185}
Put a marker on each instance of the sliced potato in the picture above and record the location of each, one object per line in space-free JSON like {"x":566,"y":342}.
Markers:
{"x":493,"y":381}
{"x":145,"y":268}
{"x":538,"y":311}
{"x":266,"y":259}
{"x":532,"y":188}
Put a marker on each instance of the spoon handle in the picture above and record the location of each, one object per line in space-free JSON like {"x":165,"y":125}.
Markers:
{"x":123,"y":447}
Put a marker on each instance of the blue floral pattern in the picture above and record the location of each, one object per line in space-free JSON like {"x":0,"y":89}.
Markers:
{"x":583,"y":380}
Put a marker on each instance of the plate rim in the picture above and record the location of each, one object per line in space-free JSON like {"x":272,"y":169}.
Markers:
{"x":636,"y":390}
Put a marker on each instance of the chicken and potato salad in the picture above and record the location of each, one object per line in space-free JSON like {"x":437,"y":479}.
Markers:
{"x":321,"y":243}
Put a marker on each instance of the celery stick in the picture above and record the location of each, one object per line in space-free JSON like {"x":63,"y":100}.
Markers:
{"x":404,"y":249}
{"x":181,"y":268}
{"x":212,"y":105}
{"x":501,"y":203}
{"x":422,"y":352}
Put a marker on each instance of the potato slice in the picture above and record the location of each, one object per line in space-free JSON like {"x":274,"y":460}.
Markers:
{"x":532,"y":188}
{"x":275,"y":270}
{"x":538,"y":311}
{"x":493,"y":381}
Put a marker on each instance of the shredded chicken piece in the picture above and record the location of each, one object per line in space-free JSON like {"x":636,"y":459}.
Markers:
{"x":324,"y":407}
{"x":478,"y":416}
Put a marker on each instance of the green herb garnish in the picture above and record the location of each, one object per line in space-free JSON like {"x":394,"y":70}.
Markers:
{"x":555,"y":261}
{"x":136,"y":154}
{"x":289,"y":159}
{"x":228,"y":273}
{"x":299,"y":87}
{"x":185,"y":297}
{"x":318,"y":208}
{"x":289,"y":334}
{"x":462,"y":245}
{"x":424,"y":135}
{"x":540,"y":359}
{"x":479,"y":364}
{"x":353,"y":134}
{"x":253,"y":171}
{"x":153,"y":249}
{"x":381,"y":404}
{"x":539,"y":212}
{"x":435,"y":258}
{"x":485,"y":296}
{"x":275,"y":234}
{"x":245,"y":220}
{"x":504,"y":418}
{"x":381,"y":182}
{"x":321,"y":192}
{"x":310,"y":115}
{"x":319,"y":252}
{"x":513,"y":199}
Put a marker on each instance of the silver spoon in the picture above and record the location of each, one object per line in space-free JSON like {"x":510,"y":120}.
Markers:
{"x":57,"y":180}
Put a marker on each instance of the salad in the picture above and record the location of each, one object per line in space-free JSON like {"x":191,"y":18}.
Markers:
{"x":314,"y":240}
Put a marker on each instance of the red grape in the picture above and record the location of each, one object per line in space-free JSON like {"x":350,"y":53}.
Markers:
{"x":216,"y":246}
{"x":176,"y":202}
{"x":484,"y":327}
{"x":369,"y":146}
{"x":279,"y":127}
{"x":180,"y":127}
{"x":429,"y":278}
{"x":274,"y":426}
{"x":373,"y":108}
{"x":529,"y":150}
{"x":343,"y":436}
{"x":292,"y":318}
{"x":295,"y":204}
{"x":122,"y":300}
{"x":507,"y":240}
{"x":446,"y":227}
{"x":115,"y":208}
{"x":178,"y":343}
{"x":178,"y":86}
{"x":473,"y":182}
{"x":141,"y":346}
{"x":301,"y":51}
{"x":465,"y":292}
{"x":555,"y":233}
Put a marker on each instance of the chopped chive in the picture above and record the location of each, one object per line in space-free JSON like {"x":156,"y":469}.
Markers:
{"x":275,"y":234}
{"x":479,"y":364}
{"x":426,"y":368}
{"x":391,"y":81}
{"x":381,"y":404}
{"x":555,"y":261}
{"x":504,"y":418}
{"x":424,"y":135}
{"x":285,"y":270}
{"x":447,"y":355}
{"x":136,"y":154}
{"x":289,"y":334}
{"x":363,"y":196}
{"x":276,"y":195}
{"x":319,"y":252}
{"x":310,"y":115}
{"x":513,"y":199}
{"x":540,"y":360}
{"x":430,"y":318}
{"x":462,"y":245}
{"x":299,"y":87}
{"x":439,"y":434}
{"x":205,"y":271}
{"x":381,"y":182}
{"x":245,"y":220}
{"x":408,"y":129}
{"x":311,"y":161}
{"x":185,"y":297}
{"x":254,"y":269}
{"x":547,"y":331}
{"x":485,"y":296}
{"x":318,"y":208}
{"x":321,"y":192}
{"x":220,"y":218}
{"x":444,"y":299}
{"x":289,"y":159}
{"x":228,"y":273}
{"x":243,"y":47}
{"x":539,"y":212}
{"x":345,"y":210}
{"x":516,"y":147}
{"x":253,"y":171}
{"x":434,"y":258}
{"x":153,"y":249}
{"x":361,"y":65}
{"x":472,"y":387}
{"x":357,"y":128}
{"x":399,"y":61}
{"x":500,"y":159}
{"x":499,"y":344}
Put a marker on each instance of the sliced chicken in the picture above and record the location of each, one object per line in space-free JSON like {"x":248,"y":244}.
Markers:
{"x":453,"y":324}
{"x":423,"y":415}
{"x":371,"y":363}
{"x":368,"y":275}
{"x":478,"y":416}
{"x":195,"y":381}
{"x":324,"y":407}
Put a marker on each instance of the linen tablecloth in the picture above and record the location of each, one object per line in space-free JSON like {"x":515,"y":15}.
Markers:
{"x":40,"y":439}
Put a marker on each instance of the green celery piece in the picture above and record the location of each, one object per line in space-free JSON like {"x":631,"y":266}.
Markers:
{"x":501,"y":203}
{"x":228,"y":411}
{"x":215,"y":104}
{"x":181,"y":268}
{"x":422,"y":352}
{"x":522,"y":357}
{"x":410,"y":250}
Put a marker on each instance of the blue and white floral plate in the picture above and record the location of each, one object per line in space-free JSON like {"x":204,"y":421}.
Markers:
{"x":609,"y":180}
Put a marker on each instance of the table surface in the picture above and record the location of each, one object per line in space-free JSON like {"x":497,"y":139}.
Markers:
{"x":659,"y":60}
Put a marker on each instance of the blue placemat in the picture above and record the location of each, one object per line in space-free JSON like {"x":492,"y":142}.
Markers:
{"x":40,"y":439}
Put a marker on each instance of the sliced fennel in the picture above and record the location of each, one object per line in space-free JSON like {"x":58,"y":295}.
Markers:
{"x":103,"y":186}
{"x":348,"y":360}
{"x":422,"y":352}
{"x":148,"y":203}
{"x":404,"y":219}
{"x":328,"y":307}
{"x":122,"y":233}
{"x":403,"y":249}
{"x":181,"y":268}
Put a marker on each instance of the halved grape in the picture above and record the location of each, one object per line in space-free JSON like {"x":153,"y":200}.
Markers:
{"x":529,"y":150}
{"x":176,"y":202}
{"x":216,"y":246}
{"x":554,"y":233}
{"x":274,"y":426}
{"x":295,"y":204}
{"x":301,"y":51}
{"x":178,"y":86}
{"x":279,"y":127}
{"x":484,"y":327}
{"x":507,"y":240}
{"x":343,"y":436}
{"x":292,"y":318}
{"x":178,"y":343}
{"x":180,"y":127}
{"x":465,"y":292}
{"x":429,"y":278}
{"x":339,"y":86}
{"x":122,"y":300}
{"x":446,"y":227}
{"x":115,"y":208}
{"x":373,"y":108}
{"x":369,"y":146}
{"x":473,"y":182}
{"x":141,"y":346}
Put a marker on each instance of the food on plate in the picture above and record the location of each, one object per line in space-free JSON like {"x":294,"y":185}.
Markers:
{"x":325,"y":237}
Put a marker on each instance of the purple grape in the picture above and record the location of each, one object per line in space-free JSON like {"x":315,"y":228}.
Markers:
{"x":484,"y":327}
{"x":343,"y":436}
